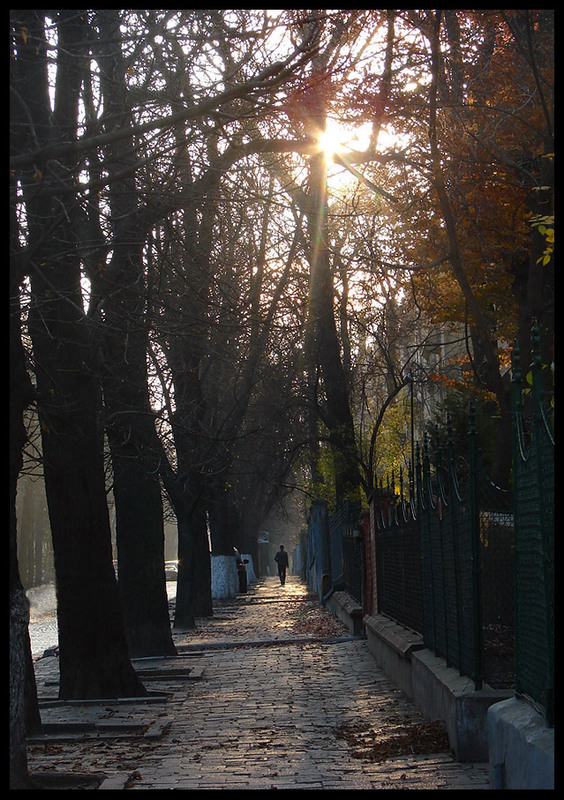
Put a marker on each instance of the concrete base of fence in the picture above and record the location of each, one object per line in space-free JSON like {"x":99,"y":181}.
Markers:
{"x":437,"y":690}
{"x":521,"y":747}
{"x":442,"y":693}
{"x":347,"y":610}
{"x":392,"y":645}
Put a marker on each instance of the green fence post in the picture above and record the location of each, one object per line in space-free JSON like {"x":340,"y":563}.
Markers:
{"x":440,"y":507}
{"x":428,"y":563}
{"x":453,"y":503}
{"x":476,"y":560}
{"x":519,"y":456}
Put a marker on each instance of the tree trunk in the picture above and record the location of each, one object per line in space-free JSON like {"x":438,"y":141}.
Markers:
{"x":338,"y":414}
{"x":93,"y":662}
{"x":193,"y":588}
{"x":140,"y":551}
{"x":136,"y":489}
{"x":321,"y":308}
{"x":24,"y":708}
{"x":223,"y":519}
{"x":185,"y":353}
{"x":130,"y":428}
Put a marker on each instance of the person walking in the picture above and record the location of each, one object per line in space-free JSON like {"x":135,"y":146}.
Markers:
{"x":281,"y":559}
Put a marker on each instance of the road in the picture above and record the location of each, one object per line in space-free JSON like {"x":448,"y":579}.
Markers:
{"x":43,"y":630}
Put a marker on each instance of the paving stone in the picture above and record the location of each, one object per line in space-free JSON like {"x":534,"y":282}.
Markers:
{"x":258,"y":716}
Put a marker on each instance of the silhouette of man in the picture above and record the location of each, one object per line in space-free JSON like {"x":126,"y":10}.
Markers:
{"x":281,"y":559}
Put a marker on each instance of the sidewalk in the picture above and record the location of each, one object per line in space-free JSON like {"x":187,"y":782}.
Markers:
{"x":270,"y":693}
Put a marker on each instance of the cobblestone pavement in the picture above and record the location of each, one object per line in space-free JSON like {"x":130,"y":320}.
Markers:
{"x":269,"y":693}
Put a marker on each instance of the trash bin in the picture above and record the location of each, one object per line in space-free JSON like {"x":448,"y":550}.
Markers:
{"x":241,"y":571}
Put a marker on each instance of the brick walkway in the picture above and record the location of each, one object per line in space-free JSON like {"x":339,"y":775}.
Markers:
{"x":270,"y":693}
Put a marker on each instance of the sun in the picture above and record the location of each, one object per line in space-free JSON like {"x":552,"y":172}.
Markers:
{"x":341,"y":138}
{"x":338,"y":141}
{"x":333,"y":139}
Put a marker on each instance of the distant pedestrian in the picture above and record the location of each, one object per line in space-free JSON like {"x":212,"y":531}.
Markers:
{"x":281,"y":559}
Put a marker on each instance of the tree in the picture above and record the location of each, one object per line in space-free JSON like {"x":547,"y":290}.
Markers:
{"x":216,"y":336}
{"x":481,"y":319}
{"x":309,"y":109}
{"x":191,"y":328}
{"x":24,"y":708}
{"x":183,"y":134}
{"x":93,"y":652}
{"x":182,"y":333}
{"x":113,"y":300}
{"x":128,"y":419}
{"x":465,"y":245}
{"x":475,"y":152}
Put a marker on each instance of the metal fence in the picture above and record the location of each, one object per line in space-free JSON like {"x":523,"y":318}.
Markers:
{"x":334,"y":551}
{"x":444,"y":556}
{"x":398,"y":556}
{"x":468,"y":565}
{"x":337,"y":523}
{"x":533,"y":467}
{"x":353,"y":561}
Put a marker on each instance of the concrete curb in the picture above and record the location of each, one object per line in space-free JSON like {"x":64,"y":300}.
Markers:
{"x":440,"y":692}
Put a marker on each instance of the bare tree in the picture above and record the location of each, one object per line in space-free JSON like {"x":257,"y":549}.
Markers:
{"x":93,"y":653}
{"x":128,"y":419}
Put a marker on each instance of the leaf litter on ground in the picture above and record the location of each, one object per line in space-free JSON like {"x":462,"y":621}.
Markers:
{"x":397,"y":737}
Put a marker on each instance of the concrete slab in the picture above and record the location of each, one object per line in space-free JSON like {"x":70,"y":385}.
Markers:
{"x":442,"y":693}
{"x":522,"y":752}
{"x":94,"y":780}
{"x":82,"y":731}
{"x":159,"y":673}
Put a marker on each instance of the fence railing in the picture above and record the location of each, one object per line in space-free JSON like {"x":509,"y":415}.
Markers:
{"x":465,"y":563}
{"x":398,"y":557}
{"x":438,"y":547}
{"x":353,"y":561}
{"x":533,"y":467}
{"x":334,"y":550}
